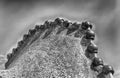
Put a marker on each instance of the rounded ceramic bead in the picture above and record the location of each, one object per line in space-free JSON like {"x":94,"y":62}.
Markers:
{"x":66,"y":24}
{"x":31,"y":31}
{"x":90,"y":35}
{"x":92,"y":48}
{"x":108,"y":69}
{"x":14,"y":50}
{"x":97,"y":61}
{"x":96,"y":65}
{"x":72,"y":28}
{"x":47,"y":24}
{"x":25,"y":37}
{"x":58,"y":20}
{"x":86,"y":25}
{"x":9,"y":55}
{"x":37,"y":27}
{"x":42,"y":27}
{"x":20,"y":43}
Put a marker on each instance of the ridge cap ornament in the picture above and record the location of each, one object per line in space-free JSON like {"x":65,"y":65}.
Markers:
{"x":59,"y":49}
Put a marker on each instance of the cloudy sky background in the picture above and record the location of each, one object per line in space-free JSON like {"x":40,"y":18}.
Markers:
{"x":18,"y":16}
